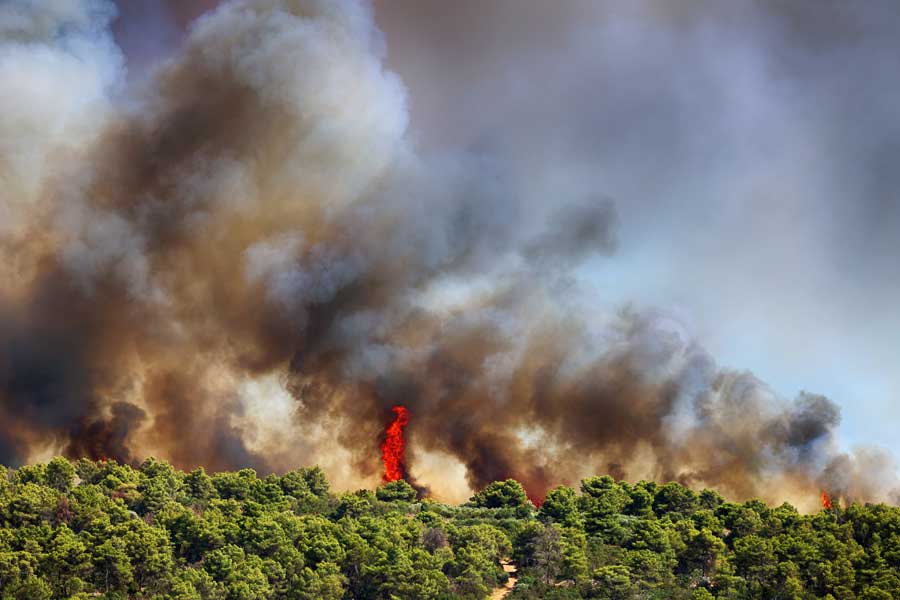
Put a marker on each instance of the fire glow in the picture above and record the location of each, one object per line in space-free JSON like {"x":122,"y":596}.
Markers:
{"x":826,"y":501}
{"x":394,"y":446}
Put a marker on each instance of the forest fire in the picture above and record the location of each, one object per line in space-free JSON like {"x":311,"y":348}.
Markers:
{"x":394,"y":446}
{"x":826,"y":501}
{"x":180,"y":246}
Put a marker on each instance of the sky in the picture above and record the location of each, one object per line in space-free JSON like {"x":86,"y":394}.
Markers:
{"x":751,"y":150}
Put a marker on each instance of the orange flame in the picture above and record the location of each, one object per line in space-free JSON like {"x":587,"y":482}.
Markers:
{"x":394,"y":446}
{"x":538,"y":501}
{"x":826,"y":501}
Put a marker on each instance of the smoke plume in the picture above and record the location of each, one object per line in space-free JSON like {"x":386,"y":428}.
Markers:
{"x":257,"y":211}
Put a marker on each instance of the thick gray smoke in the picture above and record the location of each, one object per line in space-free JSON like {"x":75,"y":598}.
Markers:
{"x":256,"y":211}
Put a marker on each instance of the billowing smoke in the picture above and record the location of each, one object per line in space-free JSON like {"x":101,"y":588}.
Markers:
{"x":257,"y":211}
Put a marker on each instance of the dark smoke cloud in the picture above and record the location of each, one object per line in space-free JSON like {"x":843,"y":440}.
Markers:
{"x":102,"y":438}
{"x":257,"y":211}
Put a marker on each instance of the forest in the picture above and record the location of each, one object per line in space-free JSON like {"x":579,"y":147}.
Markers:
{"x":99,"y":529}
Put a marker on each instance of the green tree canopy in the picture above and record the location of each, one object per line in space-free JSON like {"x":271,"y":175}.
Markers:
{"x":502,"y":494}
{"x":396,"y":490}
{"x":109,"y":530}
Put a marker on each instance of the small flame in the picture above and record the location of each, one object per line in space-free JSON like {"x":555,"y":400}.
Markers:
{"x":826,"y":501}
{"x":394,"y":446}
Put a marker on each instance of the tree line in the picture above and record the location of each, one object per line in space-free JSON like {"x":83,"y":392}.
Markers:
{"x":106,"y":530}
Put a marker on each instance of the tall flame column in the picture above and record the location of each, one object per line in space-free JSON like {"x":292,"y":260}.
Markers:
{"x":393,"y":447}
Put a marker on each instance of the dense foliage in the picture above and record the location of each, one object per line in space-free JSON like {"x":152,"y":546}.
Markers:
{"x":101,"y":529}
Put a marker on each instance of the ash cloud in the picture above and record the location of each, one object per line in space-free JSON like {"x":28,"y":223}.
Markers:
{"x":257,"y":208}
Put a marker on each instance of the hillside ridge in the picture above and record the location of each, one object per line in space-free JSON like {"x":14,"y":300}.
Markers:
{"x":88,"y":529}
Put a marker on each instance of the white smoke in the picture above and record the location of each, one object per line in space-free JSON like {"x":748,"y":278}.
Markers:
{"x":59,"y":68}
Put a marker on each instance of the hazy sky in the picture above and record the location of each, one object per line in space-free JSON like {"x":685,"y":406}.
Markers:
{"x":752,"y":150}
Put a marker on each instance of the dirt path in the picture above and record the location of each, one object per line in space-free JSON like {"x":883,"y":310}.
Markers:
{"x":504,"y":591}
